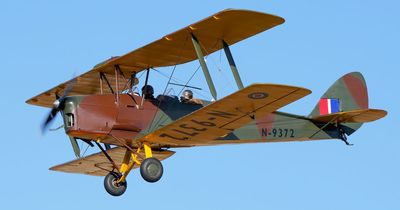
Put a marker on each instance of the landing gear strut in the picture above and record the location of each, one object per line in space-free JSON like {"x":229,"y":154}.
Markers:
{"x":151,"y":169}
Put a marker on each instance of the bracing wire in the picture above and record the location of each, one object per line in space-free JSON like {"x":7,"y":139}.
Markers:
{"x":152,"y":124}
{"x":220,"y":69}
{"x":182,"y":81}
{"x":87,"y":147}
{"x":150,"y":128}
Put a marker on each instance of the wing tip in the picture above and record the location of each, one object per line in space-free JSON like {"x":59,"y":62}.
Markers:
{"x":228,"y":10}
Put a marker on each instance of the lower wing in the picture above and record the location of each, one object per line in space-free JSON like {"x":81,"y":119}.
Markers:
{"x":225,"y":115}
{"x":98,"y":165}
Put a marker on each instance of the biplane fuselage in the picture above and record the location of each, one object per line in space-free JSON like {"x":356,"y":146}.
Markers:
{"x":100,"y":117}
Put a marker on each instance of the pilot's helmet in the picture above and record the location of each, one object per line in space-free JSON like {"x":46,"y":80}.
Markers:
{"x":187,"y":94}
{"x":147,"y":90}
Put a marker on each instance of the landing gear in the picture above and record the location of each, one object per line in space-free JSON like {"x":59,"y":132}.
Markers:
{"x":112,"y":186}
{"x":151,"y":170}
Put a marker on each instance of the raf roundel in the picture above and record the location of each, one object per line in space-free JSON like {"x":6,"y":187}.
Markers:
{"x":257,"y":95}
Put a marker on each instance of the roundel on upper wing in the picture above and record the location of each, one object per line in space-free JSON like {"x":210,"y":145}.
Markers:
{"x":258,"y":95}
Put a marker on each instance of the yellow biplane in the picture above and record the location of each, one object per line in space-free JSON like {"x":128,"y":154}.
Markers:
{"x":100,"y":107}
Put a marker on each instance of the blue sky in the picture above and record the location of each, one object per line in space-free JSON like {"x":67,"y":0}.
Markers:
{"x":44,"y":43}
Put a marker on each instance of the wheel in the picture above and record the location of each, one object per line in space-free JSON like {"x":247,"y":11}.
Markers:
{"x":110,"y":183}
{"x":151,"y":169}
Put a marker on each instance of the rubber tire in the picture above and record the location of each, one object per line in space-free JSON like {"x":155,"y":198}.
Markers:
{"x":151,"y":169}
{"x":111,"y":187}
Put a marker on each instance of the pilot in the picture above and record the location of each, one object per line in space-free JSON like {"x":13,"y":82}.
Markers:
{"x":187,"y":95}
{"x":187,"y":98}
{"x":147,"y":92}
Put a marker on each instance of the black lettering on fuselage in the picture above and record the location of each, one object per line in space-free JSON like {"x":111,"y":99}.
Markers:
{"x":264,"y":132}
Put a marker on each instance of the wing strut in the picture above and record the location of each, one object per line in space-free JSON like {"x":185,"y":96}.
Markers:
{"x":106,"y":155}
{"x":203,"y":65}
{"x":232,"y":65}
{"x":103,"y":77}
{"x":116,"y":70}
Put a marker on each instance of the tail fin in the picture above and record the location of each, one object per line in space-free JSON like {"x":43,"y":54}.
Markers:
{"x":346,"y":94}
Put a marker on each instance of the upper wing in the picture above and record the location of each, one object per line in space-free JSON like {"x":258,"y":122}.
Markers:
{"x":227,"y":114}
{"x":354,"y":116}
{"x":176,"y":48}
{"x":229,"y":25}
{"x":98,"y":165}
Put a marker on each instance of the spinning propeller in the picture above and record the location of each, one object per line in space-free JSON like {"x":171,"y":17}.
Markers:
{"x":58,"y":106}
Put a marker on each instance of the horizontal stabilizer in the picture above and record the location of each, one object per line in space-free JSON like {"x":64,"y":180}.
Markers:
{"x":98,"y":165}
{"x":354,"y":116}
